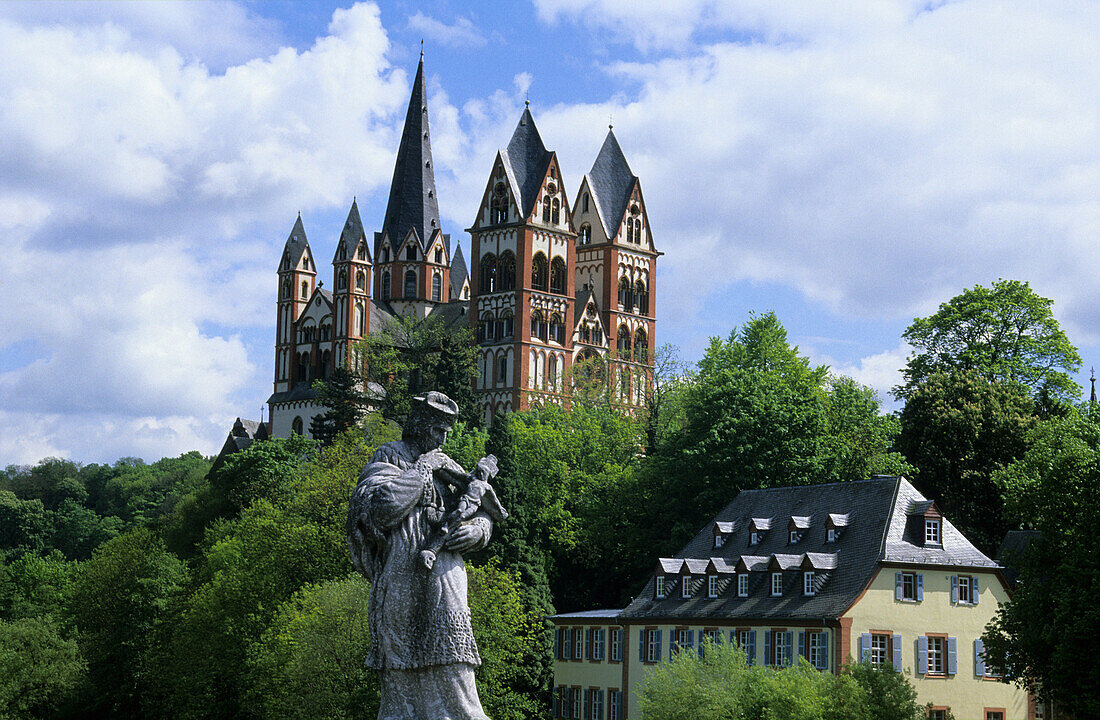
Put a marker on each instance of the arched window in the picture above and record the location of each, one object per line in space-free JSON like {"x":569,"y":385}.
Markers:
{"x":326,"y":332}
{"x":506,"y":271}
{"x":410,"y":252}
{"x":361,"y":252}
{"x":586,"y":333}
{"x":586,"y":233}
{"x":538,"y":325}
{"x":305,"y":288}
{"x":386,"y":285}
{"x":341,"y":280}
{"x":360,"y":318}
{"x":539,"y":271}
{"x":410,"y":283}
{"x":326,"y":358}
{"x":557,"y":329}
{"x":296,"y":426}
{"x":557,"y":276}
{"x":498,"y":212}
{"x":507,"y":325}
{"x":437,"y":287}
{"x":626,"y":297}
{"x":487,"y":274}
{"x":553,"y":372}
{"x":303,"y":367}
{"x":624,"y":383}
{"x":641,"y":297}
{"x":286,"y":288}
{"x":555,"y":217}
{"x":586,"y":202}
{"x":641,"y":345}
{"x":630,"y":231}
{"x":623,"y":342}
{"x":360,"y":280}
{"x":485,"y":328}
{"x":439,"y":256}
{"x":546,"y":209}
{"x":386,"y":254}
{"x":341,"y":252}
{"x":637,"y":231}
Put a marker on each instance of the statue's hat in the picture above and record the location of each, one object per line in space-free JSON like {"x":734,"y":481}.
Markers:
{"x":439,"y":404}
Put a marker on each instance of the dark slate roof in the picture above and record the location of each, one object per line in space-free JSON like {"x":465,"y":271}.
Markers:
{"x":413,"y":204}
{"x":1012,"y":550}
{"x":459,"y":273}
{"x":296,"y":242}
{"x":455,"y":314}
{"x":352,"y":234}
{"x":298,"y":391}
{"x":875,"y":508}
{"x":525,"y":161}
{"x":611,"y":181}
{"x":594,"y":614}
{"x":904,"y":540}
{"x":241,"y":435}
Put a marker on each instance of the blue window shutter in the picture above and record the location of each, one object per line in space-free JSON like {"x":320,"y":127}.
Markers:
{"x":974,"y":589}
{"x":659,"y":634}
{"x":897,"y":653}
{"x":920,"y":587}
{"x":897,"y":586}
{"x":922,"y":655}
{"x":824,"y":657}
{"x":802,"y":643}
{"x":751,"y":652}
{"x":557,"y":645}
{"x":865,"y":647}
{"x":954,"y":589}
{"x":952,"y":657}
{"x":691,"y":639}
{"x":588,"y":704}
{"x":767,"y":647}
{"x":641,"y":645}
{"x":979,"y":658}
{"x":733,"y":638}
{"x":789,"y":641}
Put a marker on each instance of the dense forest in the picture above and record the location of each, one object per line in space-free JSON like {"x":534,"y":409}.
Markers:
{"x":180,"y":590}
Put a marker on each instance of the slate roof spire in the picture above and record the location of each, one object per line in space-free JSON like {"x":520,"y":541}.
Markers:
{"x":611,"y":181}
{"x":296,"y":243}
{"x":413,"y":203}
{"x":459,"y":273}
{"x":352,"y":233}
{"x":525,"y":160}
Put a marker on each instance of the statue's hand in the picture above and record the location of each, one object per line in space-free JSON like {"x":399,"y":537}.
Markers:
{"x":465,"y":537}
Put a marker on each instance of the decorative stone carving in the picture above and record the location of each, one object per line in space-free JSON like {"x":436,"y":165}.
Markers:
{"x":412,"y":515}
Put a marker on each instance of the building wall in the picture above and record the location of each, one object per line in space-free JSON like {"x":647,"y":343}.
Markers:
{"x":966,"y":695}
{"x":585,"y":674}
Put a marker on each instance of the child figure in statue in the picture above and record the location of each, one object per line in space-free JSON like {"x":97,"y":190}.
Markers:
{"x":478,"y":494}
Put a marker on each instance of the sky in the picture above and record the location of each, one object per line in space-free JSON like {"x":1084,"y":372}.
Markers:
{"x":849,"y":165}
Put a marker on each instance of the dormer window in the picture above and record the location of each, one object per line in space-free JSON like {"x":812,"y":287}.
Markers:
{"x":777,"y":584}
{"x":795,"y":536}
{"x":932,"y":531}
{"x":385,"y":254}
{"x":754,"y":537}
{"x":712,"y":586}
{"x":410,"y":253}
{"x":685,"y":586}
{"x":743,"y":584}
{"x":808,"y":583}
{"x":719,"y":540}
{"x":830,"y":535}
{"x":660,"y":587}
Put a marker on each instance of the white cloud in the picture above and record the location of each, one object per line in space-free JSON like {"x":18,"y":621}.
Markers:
{"x":462,"y":33}
{"x":881,"y":371}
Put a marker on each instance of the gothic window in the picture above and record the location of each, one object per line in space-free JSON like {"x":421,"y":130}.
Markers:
{"x":498,"y":209}
{"x":296,"y":426}
{"x":623,"y":342}
{"x":341,"y":252}
{"x":487,"y":276}
{"x":538,"y":326}
{"x":641,"y":297}
{"x":386,"y":285}
{"x":361,"y":252}
{"x":641,"y":345}
{"x":539,"y":271}
{"x":385,"y":254}
{"x":626,"y":298}
{"x":326,"y":332}
{"x":586,"y":333}
{"x":557,"y":329}
{"x":303,"y":367}
{"x":437,"y":287}
{"x":553,"y":372}
{"x":286,"y":288}
{"x":629,"y":231}
{"x":305,"y":288}
{"x":624,"y":386}
{"x":439,"y":256}
{"x":557,"y":276}
{"x":637,"y":231}
{"x":546,"y":209}
{"x":360,"y":318}
{"x":586,"y":232}
{"x":556,"y":214}
{"x":507,"y":325}
{"x":341,"y":280}
{"x":502,"y":372}
{"x":326,"y":358}
{"x":410,"y":283}
{"x":410,"y":252}
{"x":586,"y":202}
{"x":507,"y":270}
{"x":360,"y":280}
{"x":485,"y":328}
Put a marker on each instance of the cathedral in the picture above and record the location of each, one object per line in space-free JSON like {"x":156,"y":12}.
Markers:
{"x":550,"y":284}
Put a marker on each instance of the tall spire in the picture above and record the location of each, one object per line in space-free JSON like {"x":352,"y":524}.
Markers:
{"x":1092,"y":399}
{"x":526,"y":159}
{"x":611,"y":181}
{"x":413,"y":204}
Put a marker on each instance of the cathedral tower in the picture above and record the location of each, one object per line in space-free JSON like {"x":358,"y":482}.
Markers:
{"x":522,"y":277}
{"x":616,"y":269}
{"x":351,"y":266}
{"x":412,"y":256}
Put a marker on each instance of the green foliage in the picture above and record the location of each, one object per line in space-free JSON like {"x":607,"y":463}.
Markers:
{"x":466,"y":444}
{"x":1002,"y":333}
{"x":1043,"y":636}
{"x":410,"y":355}
{"x":119,"y":598}
{"x":264,"y":470}
{"x":24,"y":525}
{"x":40,"y":669}
{"x":308,"y":663}
{"x":343,"y":395}
{"x":958,"y":430}
{"x":886,"y":694}
{"x":36,"y":586}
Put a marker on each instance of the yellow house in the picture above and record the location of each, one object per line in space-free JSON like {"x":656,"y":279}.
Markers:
{"x":867,"y":569}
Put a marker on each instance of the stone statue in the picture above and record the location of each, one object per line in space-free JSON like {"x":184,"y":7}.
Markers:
{"x":413,"y":513}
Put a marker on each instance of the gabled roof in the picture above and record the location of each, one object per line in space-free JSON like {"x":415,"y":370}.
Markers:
{"x":413,"y":204}
{"x":459,"y":273}
{"x":296,"y":243}
{"x":526,"y":160}
{"x":611,"y":181}
{"x":875,"y":533}
{"x":352,"y":234}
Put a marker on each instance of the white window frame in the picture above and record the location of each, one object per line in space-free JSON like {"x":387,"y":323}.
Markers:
{"x":685,"y":587}
{"x":754,"y":537}
{"x":614,"y":705}
{"x":880,"y":649}
{"x":777,"y":584}
{"x":578,"y":643}
{"x":782,"y":651}
{"x":816,"y":649}
{"x":651,"y":653}
{"x":719,"y":540}
{"x":794,"y":536}
{"x":660,"y":587}
{"x":596,"y":703}
{"x":712,"y":586}
{"x":598,"y":644}
{"x":808,"y":583}
{"x":912,"y":579}
{"x":933,"y":531}
{"x":966,"y":589}
{"x":743,"y":584}
{"x":937,"y":661}
{"x":831,"y":535}
{"x":616,"y":654}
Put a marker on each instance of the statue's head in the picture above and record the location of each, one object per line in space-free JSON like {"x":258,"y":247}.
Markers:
{"x":430,"y":418}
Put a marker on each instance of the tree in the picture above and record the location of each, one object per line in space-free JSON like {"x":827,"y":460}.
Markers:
{"x":342,"y":394}
{"x":410,"y":355}
{"x":1004,"y":333}
{"x":24,"y":525}
{"x":958,"y":430}
{"x":664,"y":398}
{"x":263,"y":470}
{"x":1042,"y":639}
{"x":36,"y":586}
{"x":40,"y":669}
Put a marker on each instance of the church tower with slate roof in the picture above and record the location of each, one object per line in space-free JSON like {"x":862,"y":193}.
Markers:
{"x":351,"y":267}
{"x":412,"y":255}
{"x":522,"y":278}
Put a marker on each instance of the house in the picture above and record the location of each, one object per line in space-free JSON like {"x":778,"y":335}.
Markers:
{"x":868,"y":569}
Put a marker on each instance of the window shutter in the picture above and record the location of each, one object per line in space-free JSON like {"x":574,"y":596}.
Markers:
{"x":920,"y":587}
{"x":787,"y":641}
{"x":659,"y":633}
{"x":641,"y":645}
{"x":897,"y":653}
{"x":952,"y":657}
{"x":954,"y":589}
{"x":922,"y":655}
{"x":691,"y":639}
{"x":865,"y":647}
{"x":974,"y":589}
{"x":802,"y":643}
{"x":733,"y":638}
{"x":751,"y":652}
{"x":897,"y":586}
{"x":603,"y":643}
{"x":823,"y":658}
{"x":557,"y":648}
{"x":588,"y":644}
{"x":554,"y":702}
{"x":767,"y":647}
{"x":588,"y":703}
{"x":979,"y":658}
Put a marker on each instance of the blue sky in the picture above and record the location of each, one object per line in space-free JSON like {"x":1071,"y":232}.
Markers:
{"x":849,"y":165}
